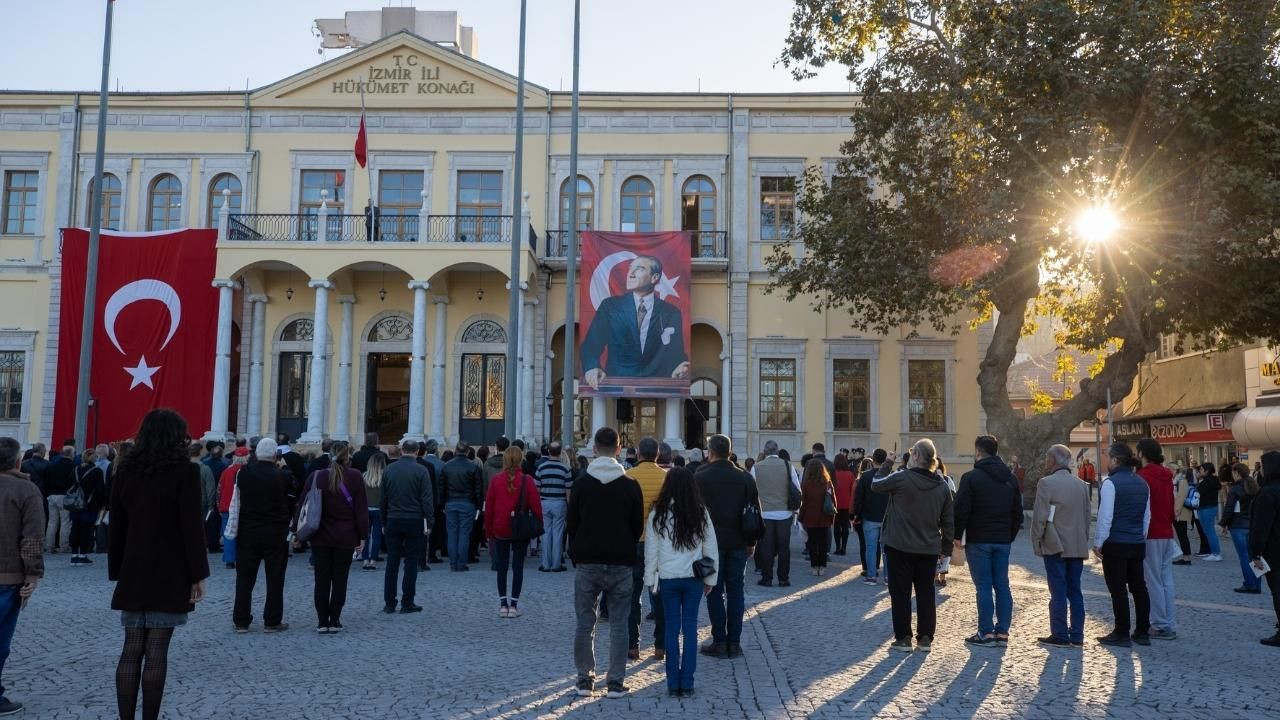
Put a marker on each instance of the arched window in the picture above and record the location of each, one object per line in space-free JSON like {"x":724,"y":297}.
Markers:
{"x":586,"y":214}
{"x":110,"y":202}
{"x":484,"y":331}
{"x":225,"y":181}
{"x":698,"y":214}
{"x":164,"y":203}
{"x":637,"y":205}
{"x":396,"y":328}
{"x":302,"y":330}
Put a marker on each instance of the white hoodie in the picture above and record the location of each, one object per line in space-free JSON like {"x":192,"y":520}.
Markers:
{"x":662,"y":560}
{"x":606,"y":469}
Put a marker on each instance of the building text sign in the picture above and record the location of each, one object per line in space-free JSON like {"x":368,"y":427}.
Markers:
{"x":405,"y":74}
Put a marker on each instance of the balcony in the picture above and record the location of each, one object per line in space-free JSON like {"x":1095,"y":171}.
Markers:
{"x":333,"y":228}
{"x":709,"y":249}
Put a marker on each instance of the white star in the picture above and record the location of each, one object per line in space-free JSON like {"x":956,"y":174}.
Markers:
{"x":667,"y":286}
{"x":142,"y":374}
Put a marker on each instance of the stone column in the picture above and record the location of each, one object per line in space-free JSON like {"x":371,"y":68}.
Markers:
{"x":222,"y":362}
{"x":342,"y":423}
{"x":418,"y":363}
{"x":726,"y":393}
{"x":598,"y":419}
{"x":674,"y":408}
{"x":257,"y":349}
{"x":437,"y":368}
{"x":526,"y":368}
{"x":319,"y":377}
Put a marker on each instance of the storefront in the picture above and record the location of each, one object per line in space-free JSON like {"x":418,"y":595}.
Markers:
{"x":1186,"y":439}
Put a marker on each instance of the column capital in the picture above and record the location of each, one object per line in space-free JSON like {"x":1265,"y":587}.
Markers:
{"x":440,"y":299}
{"x":530,"y":300}
{"x":347,"y":299}
{"x":257,"y":298}
{"x":419,"y":285}
{"x":325,"y":283}
{"x":224,"y":283}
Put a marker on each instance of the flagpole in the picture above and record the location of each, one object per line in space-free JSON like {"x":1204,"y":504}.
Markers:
{"x":91,"y":266}
{"x":368,"y":166}
{"x":513,"y":306}
{"x":571,"y":257}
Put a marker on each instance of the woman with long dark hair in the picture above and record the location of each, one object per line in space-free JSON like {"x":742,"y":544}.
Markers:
{"x":845,"y":481}
{"x":157,"y":555}
{"x":679,"y":534}
{"x":507,"y":490}
{"x":344,"y":524}
{"x":1207,"y":513}
{"x":815,"y":487}
{"x":1235,"y":518}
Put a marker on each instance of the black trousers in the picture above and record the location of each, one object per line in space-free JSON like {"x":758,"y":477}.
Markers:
{"x":333,"y":566}
{"x":1122,"y":569}
{"x":819,"y":544}
{"x":477,"y":535}
{"x":83,"y":537}
{"x":841,"y":529}
{"x":213,"y":532}
{"x":776,"y":543}
{"x":1204,"y":538}
{"x":271,"y":551}
{"x":1273,"y":583}
{"x":438,"y":540}
{"x":404,"y":538}
{"x":1184,"y":542}
{"x":909,"y":571}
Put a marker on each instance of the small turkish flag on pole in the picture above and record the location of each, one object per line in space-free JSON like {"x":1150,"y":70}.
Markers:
{"x":362,"y":144}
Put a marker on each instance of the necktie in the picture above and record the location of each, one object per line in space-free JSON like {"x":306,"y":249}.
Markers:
{"x":640,"y":324}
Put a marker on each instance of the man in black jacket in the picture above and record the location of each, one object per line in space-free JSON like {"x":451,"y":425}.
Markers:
{"x":360,"y":461}
{"x":407,"y":505}
{"x":727,"y":491}
{"x":868,"y":512}
{"x":463,"y":496}
{"x":36,"y":466}
{"x":59,"y":478}
{"x":604,"y":524}
{"x":261,"y":522}
{"x":988,"y":511}
{"x":1264,"y":533}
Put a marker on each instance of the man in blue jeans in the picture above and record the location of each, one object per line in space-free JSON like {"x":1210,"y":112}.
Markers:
{"x":407,"y":507}
{"x":21,"y":564}
{"x":868,"y":510}
{"x":727,"y":491}
{"x":988,"y":511}
{"x":1060,"y":535}
{"x":464,"y":489}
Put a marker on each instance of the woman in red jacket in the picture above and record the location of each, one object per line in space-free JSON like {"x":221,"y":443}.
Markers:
{"x":226,"y":488}
{"x":509,"y":491}
{"x":845,"y":481}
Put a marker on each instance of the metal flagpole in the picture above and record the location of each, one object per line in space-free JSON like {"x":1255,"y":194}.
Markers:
{"x":368,"y":166}
{"x":95,"y":231}
{"x":571,"y":257}
{"x":513,"y":307}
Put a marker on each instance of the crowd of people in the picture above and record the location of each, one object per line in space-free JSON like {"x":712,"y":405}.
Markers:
{"x":641,"y":521}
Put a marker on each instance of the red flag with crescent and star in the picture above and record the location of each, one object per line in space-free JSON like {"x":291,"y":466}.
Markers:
{"x":154,"y":332}
{"x":634,"y":314}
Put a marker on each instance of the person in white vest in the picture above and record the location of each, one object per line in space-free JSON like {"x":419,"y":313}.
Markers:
{"x":779,"y":487}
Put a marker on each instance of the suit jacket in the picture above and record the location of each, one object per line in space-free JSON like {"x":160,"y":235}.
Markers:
{"x":1068,"y":534}
{"x":614,"y":326}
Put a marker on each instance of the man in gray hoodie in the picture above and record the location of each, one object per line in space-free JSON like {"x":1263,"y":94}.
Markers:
{"x":918,"y":529}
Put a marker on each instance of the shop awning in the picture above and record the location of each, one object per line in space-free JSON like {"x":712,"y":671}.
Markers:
{"x":1257,"y":428}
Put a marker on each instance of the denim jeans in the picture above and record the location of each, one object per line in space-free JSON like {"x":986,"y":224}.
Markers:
{"x":10,"y":605}
{"x":989,"y":569}
{"x":554,"y":513}
{"x":1157,"y":571}
{"x":726,"y":604}
{"x":1208,"y":518}
{"x":228,"y":545}
{"x":1063,"y":575}
{"x":680,"y":598}
{"x":459,"y":515}
{"x":590,"y":581}
{"x":871,"y":550}
{"x":509,"y":554}
{"x":373,"y":543}
{"x":1240,"y":538}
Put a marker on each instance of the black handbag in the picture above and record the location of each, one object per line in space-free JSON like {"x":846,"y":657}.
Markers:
{"x":525,"y":524}
{"x":703,"y":566}
{"x":752,"y":524}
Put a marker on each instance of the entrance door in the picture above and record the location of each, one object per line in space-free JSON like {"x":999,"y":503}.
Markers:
{"x":386,"y":409}
{"x":294,"y":382}
{"x":483,"y":386}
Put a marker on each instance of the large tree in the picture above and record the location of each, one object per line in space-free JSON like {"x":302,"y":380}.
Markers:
{"x":986,"y":128}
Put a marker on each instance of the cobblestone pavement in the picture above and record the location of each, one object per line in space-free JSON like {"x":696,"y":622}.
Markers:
{"x":818,"y":649}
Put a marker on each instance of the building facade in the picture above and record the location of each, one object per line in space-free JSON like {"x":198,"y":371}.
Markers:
{"x":341,"y":322}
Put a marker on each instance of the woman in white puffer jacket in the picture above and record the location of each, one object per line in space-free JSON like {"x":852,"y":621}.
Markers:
{"x":680,"y":537}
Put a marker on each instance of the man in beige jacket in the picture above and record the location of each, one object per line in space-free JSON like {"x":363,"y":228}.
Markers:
{"x":1060,"y":534}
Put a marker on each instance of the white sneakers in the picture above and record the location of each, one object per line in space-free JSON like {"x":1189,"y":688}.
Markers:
{"x":1212,"y":558}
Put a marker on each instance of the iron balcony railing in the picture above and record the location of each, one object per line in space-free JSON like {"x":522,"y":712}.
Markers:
{"x":703,"y":244}
{"x":469,"y":228}
{"x":281,"y":227}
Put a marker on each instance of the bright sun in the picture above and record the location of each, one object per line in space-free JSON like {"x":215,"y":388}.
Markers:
{"x":1097,"y":224}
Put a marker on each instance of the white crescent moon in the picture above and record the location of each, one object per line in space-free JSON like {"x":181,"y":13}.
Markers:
{"x":149,"y":289}
{"x":600,"y":278}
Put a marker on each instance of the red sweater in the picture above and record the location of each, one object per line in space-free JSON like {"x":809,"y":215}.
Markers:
{"x":500,"y":504}
{"x":226,"y":486}
{"x":1160,"y":479}
{"x":845,"y":480}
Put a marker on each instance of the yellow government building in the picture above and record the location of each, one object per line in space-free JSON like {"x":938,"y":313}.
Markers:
{"x":339,"y":325}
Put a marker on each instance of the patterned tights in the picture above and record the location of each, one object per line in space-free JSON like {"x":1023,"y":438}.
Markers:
{"x":153,"y":645}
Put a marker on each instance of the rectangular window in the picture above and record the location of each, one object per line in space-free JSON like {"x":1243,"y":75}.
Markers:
{"x":777,"y":394}
{"x":479,"y":196}
{"x":927,"y":395}
{"x":12,"y":368}
{"x":333,"y":184}
{"x":851,"y":395}
{"x":399,"y":201}
{"x":20,"y":202}
{"x":777,"y":208}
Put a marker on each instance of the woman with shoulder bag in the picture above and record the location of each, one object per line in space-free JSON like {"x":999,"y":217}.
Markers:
{"x":344,"y":524}
{"x":681,"y":561}
{"x":91,"y":482}
{"x":511,"y":492}
{"x":1235,"y":518}
{"x":817,"y":513}
{"x":157,"y":557}
{"x":1183,"y":516}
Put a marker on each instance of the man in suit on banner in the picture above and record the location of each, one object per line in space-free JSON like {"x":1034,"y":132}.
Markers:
{"x":643,"y":333}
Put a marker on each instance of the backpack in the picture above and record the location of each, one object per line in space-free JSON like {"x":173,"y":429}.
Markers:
{"x":1192,"y":501}
{"x":74,"y":499}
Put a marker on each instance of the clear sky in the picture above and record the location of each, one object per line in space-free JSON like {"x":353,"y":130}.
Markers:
{"x":651,"y":45}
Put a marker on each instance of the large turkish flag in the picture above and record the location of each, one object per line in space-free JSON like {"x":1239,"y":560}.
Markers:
{"x":154,"y":333}
{"x":627,"y":352}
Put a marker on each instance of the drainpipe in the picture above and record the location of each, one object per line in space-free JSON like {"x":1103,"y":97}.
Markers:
{"x":75,"y":163}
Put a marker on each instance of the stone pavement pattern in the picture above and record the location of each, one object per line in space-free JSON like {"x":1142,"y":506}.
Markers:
{"x":818,"y":649}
